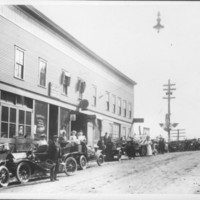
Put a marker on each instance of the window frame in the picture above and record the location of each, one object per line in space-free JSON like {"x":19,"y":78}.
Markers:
{"x":94,"y":95}
{"x":124,"y":108}
{"x":17,"y":64}
{"x":129,"y":110}
{"x":113,"y":103}
{"x":119,"y":105}
{"x":65,"y":87}
{"x":107,"y":101}
{"x":16,"y":123}
{"x":41,"y":60}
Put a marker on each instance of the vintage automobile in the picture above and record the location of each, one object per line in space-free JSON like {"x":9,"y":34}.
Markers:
{"x":4,"y":173}
{"x":113,"y":151}
{"x":24,"y":165}
{"x":82,"y":154}
{"x":132,"y":148}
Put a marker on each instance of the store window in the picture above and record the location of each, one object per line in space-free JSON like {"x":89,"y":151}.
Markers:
{"x":16,"y":115}
{"x":19,"y":63}
{"x":94,"y":95}
{"x":42,"y":72}
{"x":123,"y":132}
{"x":40,"y":118}
{"x":110,"y":129}
{"x":24,"y":124}
{"x":10,"y":127}
{"x":64,"y":123}
{"x":116,"y":132}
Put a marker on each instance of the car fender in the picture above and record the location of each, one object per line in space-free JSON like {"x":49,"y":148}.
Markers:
{"x":75,"y":155}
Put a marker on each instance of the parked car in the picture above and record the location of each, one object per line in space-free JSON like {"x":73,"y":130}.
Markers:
{"x":113,"y":151}
{"x":23,"y":165}
{"x":133,"y":148}
{"x":83,"y":154}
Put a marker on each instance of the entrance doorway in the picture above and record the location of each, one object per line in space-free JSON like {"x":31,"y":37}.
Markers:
{"x":53,"y":121}
{"x":90,"y":134}
{"x":80,"y":123}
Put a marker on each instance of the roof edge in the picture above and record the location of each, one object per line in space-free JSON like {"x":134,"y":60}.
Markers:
{"x":33,"y":12}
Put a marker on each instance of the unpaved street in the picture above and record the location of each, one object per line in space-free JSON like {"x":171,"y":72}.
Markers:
{"x":171,"y":173}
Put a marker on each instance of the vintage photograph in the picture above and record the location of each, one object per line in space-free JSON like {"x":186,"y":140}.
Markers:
{"x":99,"y":99}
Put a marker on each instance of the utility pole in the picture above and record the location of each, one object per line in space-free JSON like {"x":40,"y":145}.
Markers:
{"x":169,"y":90}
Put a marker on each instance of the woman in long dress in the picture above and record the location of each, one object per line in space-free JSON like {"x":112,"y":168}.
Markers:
{"x":148,"y":144}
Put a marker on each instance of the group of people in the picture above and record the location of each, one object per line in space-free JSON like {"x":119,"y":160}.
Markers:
{"x":74,"y":137}
{"x":53,"y":148}
{"x":104,"y":142}
{"x":154,"y":147}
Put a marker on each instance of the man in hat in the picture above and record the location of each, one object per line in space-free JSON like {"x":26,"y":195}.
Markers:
{"x":54,"y":155}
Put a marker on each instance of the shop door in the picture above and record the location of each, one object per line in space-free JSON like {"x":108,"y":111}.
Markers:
{"x":53,"y":121}
{"x":90,"y":134}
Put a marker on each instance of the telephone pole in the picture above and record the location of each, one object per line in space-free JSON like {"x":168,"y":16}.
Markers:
{"x":168,"y":88}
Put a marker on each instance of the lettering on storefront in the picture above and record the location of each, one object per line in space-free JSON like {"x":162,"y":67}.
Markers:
{"x":54,"y":90}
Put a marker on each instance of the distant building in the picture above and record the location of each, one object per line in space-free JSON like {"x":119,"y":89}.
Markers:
{"x":50,"y":82}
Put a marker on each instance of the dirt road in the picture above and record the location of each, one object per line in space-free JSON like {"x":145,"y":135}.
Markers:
{"x":171,"y":173}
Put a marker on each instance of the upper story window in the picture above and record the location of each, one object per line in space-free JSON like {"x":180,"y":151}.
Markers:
{"x":124,"y":108}
{"x":119,"y":106}
{"x":65,"y":81}
{"x":107,"y":101}
{"x":129,"y":111}
{"x":94,"y":95}
{"x":19,"y":63}
{"x":81,"y":86}
{"x":42,"y":72}
{"x":113,"y":103}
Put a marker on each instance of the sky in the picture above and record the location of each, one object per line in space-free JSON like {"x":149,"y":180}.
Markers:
{"x":122,"y":33}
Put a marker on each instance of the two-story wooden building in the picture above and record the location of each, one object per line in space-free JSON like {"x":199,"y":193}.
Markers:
{"x":49,"y":81}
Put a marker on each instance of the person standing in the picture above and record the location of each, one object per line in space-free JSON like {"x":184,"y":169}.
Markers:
{"x":73,"y":137}
{"x":81,"y":137}
{"x":42,"y":145}
{"x":54,"y":155}
{"x":105,"y":138}
{"x":148,"y":145}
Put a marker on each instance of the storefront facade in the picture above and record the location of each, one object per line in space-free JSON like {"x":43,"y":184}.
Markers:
{"x":50,"y":82}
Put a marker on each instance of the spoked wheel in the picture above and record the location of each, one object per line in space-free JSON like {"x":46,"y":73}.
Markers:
{"x":143,"y":151}
{"x":23,"y":172}
{"x":83,"y":162}
{"x":100,"y":160}
{"x":119,"y":155}
{"x":70,"y":166}
{"x":4,"y":176}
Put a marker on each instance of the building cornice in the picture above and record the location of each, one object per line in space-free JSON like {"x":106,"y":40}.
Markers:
{"x":41,"y":18}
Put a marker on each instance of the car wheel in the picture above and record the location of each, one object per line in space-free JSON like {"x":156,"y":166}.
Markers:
{"x":100,"y":160}
{"x":143,"y":151}
{"x":4,"y":176}
{"x":82,"y":162}
{"x":70,"y":166}
{"x":23,"y":172}
{"x":119,"y":155}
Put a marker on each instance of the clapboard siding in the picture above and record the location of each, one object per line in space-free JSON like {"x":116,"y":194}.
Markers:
{"x":35,"y":48}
